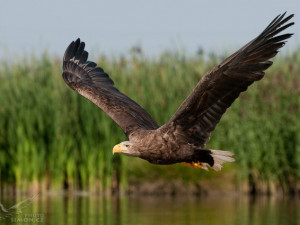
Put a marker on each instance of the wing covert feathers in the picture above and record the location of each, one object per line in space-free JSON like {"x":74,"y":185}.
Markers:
{"x":93,"y":83}
{"x":201,"y":111}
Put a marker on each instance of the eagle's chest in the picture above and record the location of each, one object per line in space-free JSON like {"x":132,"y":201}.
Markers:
{"x":163,"y":148}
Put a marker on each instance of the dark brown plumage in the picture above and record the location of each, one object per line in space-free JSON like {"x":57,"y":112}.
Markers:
{"x":183,"y":137}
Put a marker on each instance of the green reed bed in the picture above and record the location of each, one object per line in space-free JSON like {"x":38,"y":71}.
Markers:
{"x":52,"y":138}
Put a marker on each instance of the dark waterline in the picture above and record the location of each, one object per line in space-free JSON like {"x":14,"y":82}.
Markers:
{"x":64,"y":210}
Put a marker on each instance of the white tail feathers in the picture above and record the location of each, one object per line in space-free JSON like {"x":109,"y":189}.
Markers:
{"x":220,"y":157}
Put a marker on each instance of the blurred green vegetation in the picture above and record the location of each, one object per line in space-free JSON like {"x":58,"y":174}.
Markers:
{"x":53,"y":137}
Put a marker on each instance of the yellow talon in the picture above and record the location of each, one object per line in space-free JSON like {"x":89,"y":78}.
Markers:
{"x":198,"y":165}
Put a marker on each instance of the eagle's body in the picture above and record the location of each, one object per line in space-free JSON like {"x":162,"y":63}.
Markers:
{"x":163,"y":147}
{"x":183,"y":137}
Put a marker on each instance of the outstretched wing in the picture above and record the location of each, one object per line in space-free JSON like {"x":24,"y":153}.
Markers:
{"x":93,"y":83}
{"x":201,"y":111}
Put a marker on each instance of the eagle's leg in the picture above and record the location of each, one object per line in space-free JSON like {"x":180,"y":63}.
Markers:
{"x":198,"y":165}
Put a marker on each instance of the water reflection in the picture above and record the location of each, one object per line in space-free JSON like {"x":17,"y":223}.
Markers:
{"x":64,"y":210}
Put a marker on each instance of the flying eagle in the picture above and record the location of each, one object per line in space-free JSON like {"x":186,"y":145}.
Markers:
{"x":183,"y":137}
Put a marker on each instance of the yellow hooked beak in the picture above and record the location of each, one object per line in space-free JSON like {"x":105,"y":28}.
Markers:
{"x":117,"y":149}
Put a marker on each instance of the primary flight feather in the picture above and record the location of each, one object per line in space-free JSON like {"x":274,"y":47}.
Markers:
{"x":183,"y":137}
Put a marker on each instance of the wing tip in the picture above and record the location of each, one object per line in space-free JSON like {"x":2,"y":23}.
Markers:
{"x":72,"y":49}
{"x":282,"y":15}
{"x":77,"y":68}
{"x":276,"y":23}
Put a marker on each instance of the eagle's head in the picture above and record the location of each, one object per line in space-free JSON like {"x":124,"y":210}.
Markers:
{"x":127,"y":148}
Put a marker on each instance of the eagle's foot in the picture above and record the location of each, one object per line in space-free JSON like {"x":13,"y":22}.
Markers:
{"x":198,"y":165}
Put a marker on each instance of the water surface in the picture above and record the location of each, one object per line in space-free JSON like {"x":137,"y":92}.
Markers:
{"x":64,"y":210}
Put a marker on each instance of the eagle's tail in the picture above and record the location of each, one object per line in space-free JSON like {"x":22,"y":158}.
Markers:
{"x":220,"y":157}
{"x":211,"y":158}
